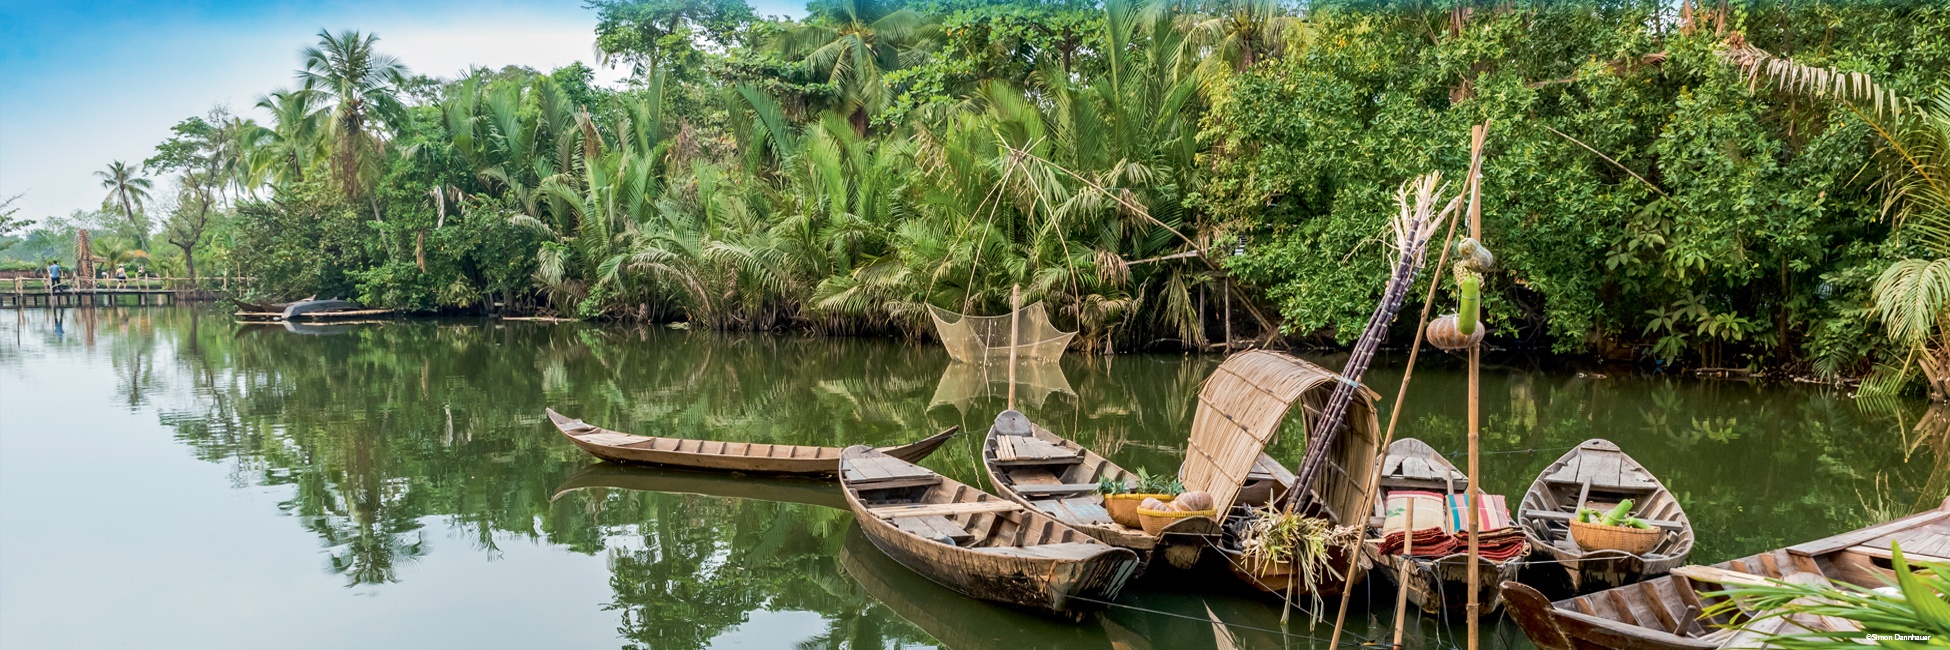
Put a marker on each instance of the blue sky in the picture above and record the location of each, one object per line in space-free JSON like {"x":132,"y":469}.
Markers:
{"x":86,"y":83}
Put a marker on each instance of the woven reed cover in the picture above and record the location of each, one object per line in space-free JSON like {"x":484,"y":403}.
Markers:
{"x":981,"y":339}
{"x":1240,"y":409}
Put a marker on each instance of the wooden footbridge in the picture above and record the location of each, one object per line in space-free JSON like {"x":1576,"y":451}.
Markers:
{"x":93,"y":292}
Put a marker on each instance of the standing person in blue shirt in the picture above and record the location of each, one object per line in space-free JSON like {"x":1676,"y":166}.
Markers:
{"x":53,"y":275}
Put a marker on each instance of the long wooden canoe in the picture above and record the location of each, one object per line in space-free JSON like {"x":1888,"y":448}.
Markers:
{"x":978,"y":544}
{"x":756,"y":458}
{"x":607,"y":475}
{"x":1440,"y":585}
{"x":1058,"y":477}
{"x":1602,"y":475}
{"x":1664,"y":613}
{"x":268,"y":307}
{"x":951,"y":618}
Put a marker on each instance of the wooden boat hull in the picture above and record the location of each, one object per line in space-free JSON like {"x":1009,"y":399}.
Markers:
{"x":1610,"y":475}
{"x":1330,"y":582}
{"x":1023,"y":558}
{"x":753,"y":458}
{"x":1181,"y":542}
{"x":1440,"y":586}
{"x":607,"y":475}
{"x":1664,"y":613}
{"x":950,"y":617}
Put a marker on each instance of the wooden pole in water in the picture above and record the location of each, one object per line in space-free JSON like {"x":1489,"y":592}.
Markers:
{"x":1401,"y":590}
{"x":1015,"y":332}
{"x":1475,"y":498}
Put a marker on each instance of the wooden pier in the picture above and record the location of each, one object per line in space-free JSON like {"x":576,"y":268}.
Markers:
{"x":92,"y":292}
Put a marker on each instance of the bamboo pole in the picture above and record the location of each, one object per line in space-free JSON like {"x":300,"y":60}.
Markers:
{"x":1401,"y":589}
{"x":1474,"y":500}
{"x":1015,"y":317}
{"x":1394,"y":418}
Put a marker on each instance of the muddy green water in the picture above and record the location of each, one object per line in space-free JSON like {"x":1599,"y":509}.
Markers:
{"x":169,"y":479}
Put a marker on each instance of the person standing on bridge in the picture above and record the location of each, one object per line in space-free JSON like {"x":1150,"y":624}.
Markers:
{"x":53,"y":275}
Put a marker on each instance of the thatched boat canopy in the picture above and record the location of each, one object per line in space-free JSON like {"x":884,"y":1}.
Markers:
{"x":1240,"y":410}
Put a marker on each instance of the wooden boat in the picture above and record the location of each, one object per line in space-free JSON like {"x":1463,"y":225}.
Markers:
{"x":268,"y":307}
{"x":1058,"y":477}
{"x":756,"y":458}
{"x":607,"y":475}
{"x":1664,"y":613}
{"x":1440,"y":586}
{"x":980,"y":545}
{"x":1598,"y":475}
{"x":951,"y":618}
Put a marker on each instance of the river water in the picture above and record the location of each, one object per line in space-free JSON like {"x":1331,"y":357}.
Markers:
{"x":170,"y":479}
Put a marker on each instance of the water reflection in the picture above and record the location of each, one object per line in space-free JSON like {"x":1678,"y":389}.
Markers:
{"x":963,"y":384}
{"x":397,"y":443}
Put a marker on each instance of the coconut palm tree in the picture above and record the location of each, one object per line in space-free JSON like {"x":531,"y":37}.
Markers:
{"x":293,"y":144}
{"x":128,"y":190}
{"x":1240,"y":33}
{"x":1912,"y":296}
{"x":852,"y":44}
{"x":361,"y":87}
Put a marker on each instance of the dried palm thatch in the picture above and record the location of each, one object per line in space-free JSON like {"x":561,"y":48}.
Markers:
{"x":1240,"y":409}
{"x":1810,"y":80}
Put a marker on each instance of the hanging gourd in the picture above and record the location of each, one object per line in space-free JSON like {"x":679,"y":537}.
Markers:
{"x":1464,"y":329}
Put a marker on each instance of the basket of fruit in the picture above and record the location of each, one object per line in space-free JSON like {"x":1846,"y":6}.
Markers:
{"x":1122,"y":498}
{"x":1154,"y":515}
{"x":1616,"y":530}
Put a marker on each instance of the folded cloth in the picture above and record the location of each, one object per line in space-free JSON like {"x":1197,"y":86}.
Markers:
{"x":1500,"y":545}
{"x":1428,"y":542}
{"x":1493,"y":514}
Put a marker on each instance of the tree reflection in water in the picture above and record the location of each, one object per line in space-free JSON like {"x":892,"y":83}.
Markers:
{"x":382,"y":435}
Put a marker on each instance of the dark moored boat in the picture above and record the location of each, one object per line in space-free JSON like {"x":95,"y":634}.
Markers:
{"x":1664,"y":613}
{"x":1029,"y":465}
{"x":978,"y":544}
{"x":272,"y":308}
{"x":757,"y":458}
{"x":1597,"y":474}
{"x":1440,"y":586}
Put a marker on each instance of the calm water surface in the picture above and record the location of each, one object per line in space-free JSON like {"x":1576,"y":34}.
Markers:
{"x":169,"y":479}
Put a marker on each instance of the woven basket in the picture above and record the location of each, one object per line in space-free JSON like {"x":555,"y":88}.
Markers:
{"x":1598,"y":537}
{"x":1124,"y":507}
{"x":1445,"y":333}
{"x":1155,"y":521}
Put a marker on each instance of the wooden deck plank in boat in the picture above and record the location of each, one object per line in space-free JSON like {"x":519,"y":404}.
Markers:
{"x":1005,"y":447}
{"x":935,"y":527}
{"x":938,"y":509}
{"x":1853,"y":538}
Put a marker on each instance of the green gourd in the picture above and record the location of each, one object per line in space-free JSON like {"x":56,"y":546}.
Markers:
{"x":1618,"y":514}
{"x":1472,"y":298}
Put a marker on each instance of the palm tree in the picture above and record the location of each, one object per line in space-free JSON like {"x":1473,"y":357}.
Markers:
{"x":852,"y":44}
{"x":1241,"y":32}
{"x":362,"y":88}
{"x":292,"y":145}
{"x":128,"y":190}
{"x":1912,"y":296}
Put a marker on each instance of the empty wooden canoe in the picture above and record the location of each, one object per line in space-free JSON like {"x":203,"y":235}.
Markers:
{"x":1603,"y":475}
{"x":756,"y":458}
{"x":1058,"y":477}
{"x":1438,"y":585}
{"x":978,"y":544}
{"x":1664,"y":613}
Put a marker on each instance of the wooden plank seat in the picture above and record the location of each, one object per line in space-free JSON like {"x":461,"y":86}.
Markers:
{"x":1565,"y":516}
{"x":935,"y":527}
{"x":941,"y":509}
{"x":1054,"y":489}
{"x":1010,"y":448}
{"x":1081,"y":510}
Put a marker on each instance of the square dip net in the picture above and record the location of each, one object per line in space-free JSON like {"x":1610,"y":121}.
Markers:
{"x":982,"y":339}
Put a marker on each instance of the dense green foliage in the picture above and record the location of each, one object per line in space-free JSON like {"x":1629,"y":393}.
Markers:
{"x":1128,"y":163}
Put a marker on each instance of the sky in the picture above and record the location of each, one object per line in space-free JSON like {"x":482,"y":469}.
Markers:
{"x":86,"y":83}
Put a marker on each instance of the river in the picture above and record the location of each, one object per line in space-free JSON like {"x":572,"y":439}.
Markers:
{"x":170,"y":479}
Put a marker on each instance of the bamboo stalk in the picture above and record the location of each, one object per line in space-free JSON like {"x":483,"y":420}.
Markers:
{"x":1474,"y":499}
{"x":1015,"y":318}
{"x":1401,"y":590}
{"x":1381,"y":456}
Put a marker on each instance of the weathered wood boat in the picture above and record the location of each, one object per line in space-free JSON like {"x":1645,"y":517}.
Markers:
{"x":755,"y":458}
{"x":1598,"y":475}
{"x":268,"y":307}
{"x":980,"y":545}
{"x":1241,"y":408}
{"x":1438,"y":585}
{"x":1664,"y":613}
{"x":951,"y":618}
{"x":1058,"y":477}
{"x":612,"y":476}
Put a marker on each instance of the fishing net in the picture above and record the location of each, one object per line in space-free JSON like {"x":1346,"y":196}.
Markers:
{"x":981,"y":339}
{"x":962,"y":384}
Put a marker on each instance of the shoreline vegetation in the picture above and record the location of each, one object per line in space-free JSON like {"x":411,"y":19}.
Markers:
{"x":1753,"y":187}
